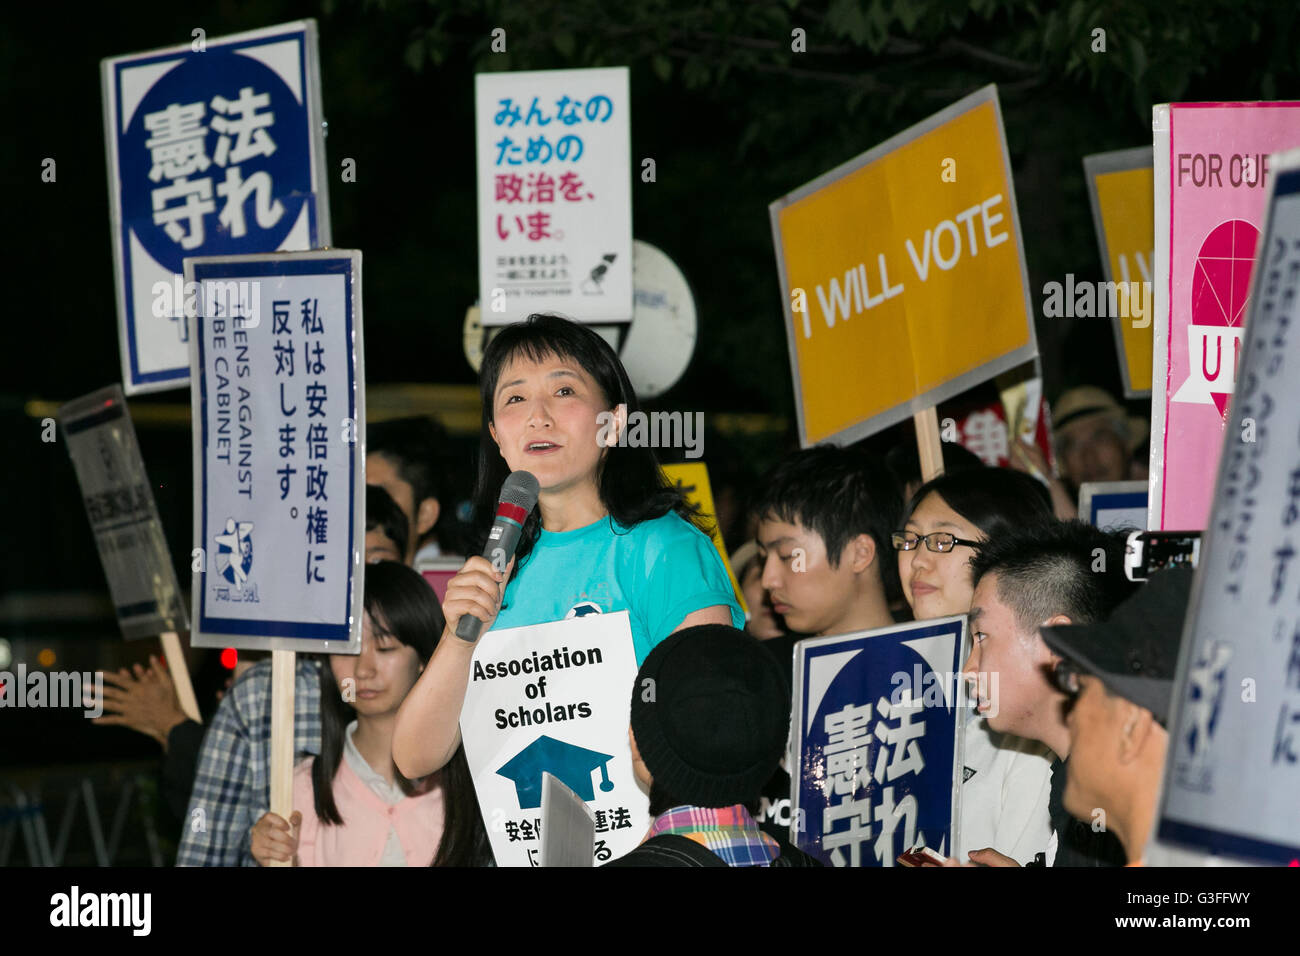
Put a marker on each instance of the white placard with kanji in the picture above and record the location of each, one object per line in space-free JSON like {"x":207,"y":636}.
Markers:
{"x":554,"y":195}
{"x":278,"y":389}
{"x":554,"y":698}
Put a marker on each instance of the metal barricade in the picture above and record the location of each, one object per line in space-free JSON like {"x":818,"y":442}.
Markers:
{"x":23,"y":812}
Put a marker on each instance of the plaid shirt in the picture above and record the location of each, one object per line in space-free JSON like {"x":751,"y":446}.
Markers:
{"x":232,"y":786}
{"x":730,"y":832}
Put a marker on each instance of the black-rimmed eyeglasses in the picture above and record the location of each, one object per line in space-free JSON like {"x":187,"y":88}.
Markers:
{"x":940,"y":541}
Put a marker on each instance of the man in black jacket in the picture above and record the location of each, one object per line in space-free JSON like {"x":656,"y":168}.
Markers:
{"x":710,"y":714}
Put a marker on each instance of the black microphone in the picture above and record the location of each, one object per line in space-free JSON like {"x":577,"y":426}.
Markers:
{"x":518,"y":499}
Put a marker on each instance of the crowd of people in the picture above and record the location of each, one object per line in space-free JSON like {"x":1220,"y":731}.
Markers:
{"x":1070,"y":727}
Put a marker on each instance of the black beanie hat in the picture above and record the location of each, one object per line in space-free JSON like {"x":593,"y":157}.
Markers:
{"x":710,"y":711}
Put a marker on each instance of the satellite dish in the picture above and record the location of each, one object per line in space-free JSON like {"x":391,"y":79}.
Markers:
{"x":655,"y":347}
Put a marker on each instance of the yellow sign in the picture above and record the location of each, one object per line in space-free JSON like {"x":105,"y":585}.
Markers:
{"x":903,"y":273}
{"x":1121,"y":186}
{"x":693,"y":480}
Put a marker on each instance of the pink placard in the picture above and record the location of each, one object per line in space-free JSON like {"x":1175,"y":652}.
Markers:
{"x":1218,"y":168}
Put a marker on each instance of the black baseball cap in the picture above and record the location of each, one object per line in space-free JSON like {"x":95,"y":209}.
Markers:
{"x":1134,"y":652}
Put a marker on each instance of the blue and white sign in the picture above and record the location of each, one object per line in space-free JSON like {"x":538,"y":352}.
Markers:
{"x":278,"y":393}
{"x":1114,"y":505}
{"x":214,"y":148}
{"x":878,"y":722}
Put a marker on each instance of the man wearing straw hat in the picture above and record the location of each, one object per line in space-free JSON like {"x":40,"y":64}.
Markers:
{"x":1095,"y":438}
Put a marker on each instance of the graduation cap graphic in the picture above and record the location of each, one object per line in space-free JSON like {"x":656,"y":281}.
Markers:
{"x":571,"y":764}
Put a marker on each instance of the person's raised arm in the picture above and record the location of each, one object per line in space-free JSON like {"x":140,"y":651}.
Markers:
{"x":144,"y":701}
{"x":717,"y":614}
{"x":428,"y":722}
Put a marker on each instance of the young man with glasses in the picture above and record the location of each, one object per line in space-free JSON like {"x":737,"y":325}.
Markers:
{"x":1060,"y":573}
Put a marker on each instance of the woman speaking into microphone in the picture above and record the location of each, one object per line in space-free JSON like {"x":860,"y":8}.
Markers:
{"x":608,"y":534}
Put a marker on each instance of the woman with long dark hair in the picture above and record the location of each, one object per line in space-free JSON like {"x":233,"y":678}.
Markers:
{"x":608,"y":534}
{"x":352,"y":806}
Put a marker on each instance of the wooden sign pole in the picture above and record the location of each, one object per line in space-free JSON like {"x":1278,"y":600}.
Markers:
{"x":928,"y":444}
{"x":284,"y":665}
{"x":180,"y":675}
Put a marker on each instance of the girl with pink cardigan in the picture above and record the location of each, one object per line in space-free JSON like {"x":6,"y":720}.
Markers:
{"x":351,"y":805}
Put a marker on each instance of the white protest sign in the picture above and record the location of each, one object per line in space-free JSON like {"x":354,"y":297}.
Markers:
{"x":1232,"y":776}
{"x":120,"y":504}
{"x":279,"y":451}
{"x":215,"y":147}
{"x":554,"y":698}
{"x":554,"y":194}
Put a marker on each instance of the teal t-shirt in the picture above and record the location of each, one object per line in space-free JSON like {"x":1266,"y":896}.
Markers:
{"x":659,"y":571}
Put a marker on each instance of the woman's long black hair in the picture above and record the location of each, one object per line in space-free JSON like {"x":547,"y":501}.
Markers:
{"x":632,"y":486}
{"x":995,"y":500}
{"x":400,"y":598}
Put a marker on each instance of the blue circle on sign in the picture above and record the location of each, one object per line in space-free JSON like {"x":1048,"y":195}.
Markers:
{"x":252,"y":209}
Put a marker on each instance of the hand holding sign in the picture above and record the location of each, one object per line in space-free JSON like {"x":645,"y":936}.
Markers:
{"x":275,"y":840}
